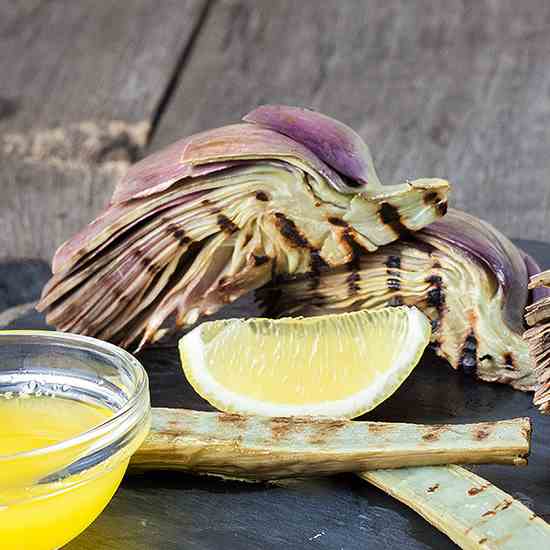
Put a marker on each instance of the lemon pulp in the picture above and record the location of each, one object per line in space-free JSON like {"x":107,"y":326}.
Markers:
{"x":44,"y":516}
{"x":336,"y":365}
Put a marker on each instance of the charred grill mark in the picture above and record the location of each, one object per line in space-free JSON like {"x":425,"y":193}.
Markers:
{"x":473,"y":491}
{"x":377,"y":427}
{"x":436,"y":298}
{"x":509,"y":361}
{"x":352,"y":279}
{"x":207,"y":203}
{"x":353,"y":246}
{"x":434,"y":346}
{"x":505,"y":504}
{"x":262,"y":196}
{"x":174,"y":426}
{"x":178,"y":233}
{"x":468,"y":358}
{"x":395,"y":301}
{"x":325,"y":430}
{"x":145,"y":262}
{"x":231,"y":418}
{"x":182,"y":237}
{"x":435,"y":280}
{"x":354,"y":265}
{"x":486,"y":357}
{"x":337,"y":221}
{"x":482,"y":432}
{"x":332,"y":426}
{"x":433,"y":488}
{"x":280,"y":427}
{"x":290,"y":232}
{"x":313,"y":280}
{"x":317,"y":261}
{"x":226,"y":225}
{"x":389,"y":215}
{"x":393,"y":280}
{"x":436,"y":265}
{"x":393,"y":283}
{"x":435,"y":326}
{"x":260,"y":259}
{"x":393,"y":262}
{"x":433,"y":434}
{"x":431,"y":197}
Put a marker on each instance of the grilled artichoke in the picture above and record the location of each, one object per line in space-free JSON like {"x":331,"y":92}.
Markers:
{"x":461,"y":272}
{"x":537,"y":337}
{"x":220,"y":213}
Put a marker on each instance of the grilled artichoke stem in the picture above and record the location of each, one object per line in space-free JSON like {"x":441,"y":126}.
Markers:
{"x":261,"y":448}
{"x":537,"y":337}
{"x":219,"y":214}
{"x":471,"y":511}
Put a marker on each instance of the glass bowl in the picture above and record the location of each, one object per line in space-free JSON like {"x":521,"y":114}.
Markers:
{"x":48,"y":495}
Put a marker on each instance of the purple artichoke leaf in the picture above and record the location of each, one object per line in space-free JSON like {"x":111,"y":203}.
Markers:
{"x":332,"y":141}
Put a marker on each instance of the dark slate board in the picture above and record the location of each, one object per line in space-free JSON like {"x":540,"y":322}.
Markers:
{"x":174,"y":511}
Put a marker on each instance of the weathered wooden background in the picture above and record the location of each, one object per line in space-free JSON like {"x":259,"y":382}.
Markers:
{"x":455,"y":89}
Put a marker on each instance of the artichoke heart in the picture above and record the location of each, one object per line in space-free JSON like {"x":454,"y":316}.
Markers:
{"x":219,"y":214}
{"x":465,"y":276}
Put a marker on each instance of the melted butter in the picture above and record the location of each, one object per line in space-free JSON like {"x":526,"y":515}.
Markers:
{"x":45,"y":516}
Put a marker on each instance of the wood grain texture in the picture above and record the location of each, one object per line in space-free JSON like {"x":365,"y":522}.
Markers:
{"x":80,"y":89}
{"x":457,"y":90}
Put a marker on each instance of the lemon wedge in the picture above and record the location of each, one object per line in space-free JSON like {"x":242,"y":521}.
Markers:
{"x":340,"y":365}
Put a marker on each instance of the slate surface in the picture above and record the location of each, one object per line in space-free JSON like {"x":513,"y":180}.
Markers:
{"x":174,"y":511}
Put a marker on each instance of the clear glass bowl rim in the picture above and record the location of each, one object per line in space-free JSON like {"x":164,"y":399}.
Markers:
{"x":139,"y":399}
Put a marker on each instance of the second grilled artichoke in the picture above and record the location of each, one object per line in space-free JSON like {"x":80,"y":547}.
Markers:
{"x":468,"y":278}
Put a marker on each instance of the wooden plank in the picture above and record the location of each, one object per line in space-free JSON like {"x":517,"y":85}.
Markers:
{"x":458,"y":91}
{"x":81,"y":84}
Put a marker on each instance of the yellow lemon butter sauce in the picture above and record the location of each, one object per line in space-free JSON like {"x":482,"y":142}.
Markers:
{"x":73,"y":410}
{"x":46,"y":497}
